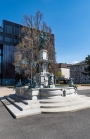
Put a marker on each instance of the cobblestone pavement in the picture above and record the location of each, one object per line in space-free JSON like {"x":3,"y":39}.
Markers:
{"x":68,"y":125}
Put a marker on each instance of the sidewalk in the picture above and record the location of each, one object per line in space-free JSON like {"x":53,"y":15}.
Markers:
{"x":83,"y":87}
{"x":4,"y":91}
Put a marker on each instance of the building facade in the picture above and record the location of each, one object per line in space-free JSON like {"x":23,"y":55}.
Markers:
{"x":9,"y":33}
{"x":64,"y":68}
{"x":76,"y":72}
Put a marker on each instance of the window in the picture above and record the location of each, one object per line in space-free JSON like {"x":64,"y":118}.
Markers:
{"x":0,"y":51}
{"x":8,"y":29}
{"x":1,"y":38}
{"x":1,"y":29}
{"x":7,"y":39}
{"x":0,"y":68}
{"x":16,"y":31}
{"x":16,"y":41}
{"x":1,"y":60}
{"x":0,"y":63}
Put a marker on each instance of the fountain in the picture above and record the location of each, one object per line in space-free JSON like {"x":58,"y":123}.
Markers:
{"x":43,"y":82}
{"x":41,"y":95}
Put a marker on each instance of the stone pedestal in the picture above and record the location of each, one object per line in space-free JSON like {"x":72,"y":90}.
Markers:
{"x":41,"y":80}
{"x":46,"y":79}
{"x":43,"y":55}
{"x":52,"y":86}
{"x":27,"y":93}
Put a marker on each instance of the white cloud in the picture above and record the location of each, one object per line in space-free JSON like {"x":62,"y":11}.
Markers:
{"x":74,"y":62}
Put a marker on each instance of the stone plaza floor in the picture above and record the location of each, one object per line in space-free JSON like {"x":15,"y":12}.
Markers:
{"x":6,"y":91}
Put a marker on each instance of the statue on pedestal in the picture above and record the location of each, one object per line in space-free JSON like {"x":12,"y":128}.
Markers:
{"x":71,"y":84}
{"x":34,"y":83}
{"x":43,"y":77}
{"x":18,"y":84}
{"x":43,"y":38}
{"x":50,"y":80}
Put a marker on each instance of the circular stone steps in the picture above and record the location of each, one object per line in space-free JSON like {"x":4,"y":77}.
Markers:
{"x":65,"y":104}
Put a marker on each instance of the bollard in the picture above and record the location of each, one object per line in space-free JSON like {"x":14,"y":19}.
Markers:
{"x":64,"y":93}
{"x":75,"y":89}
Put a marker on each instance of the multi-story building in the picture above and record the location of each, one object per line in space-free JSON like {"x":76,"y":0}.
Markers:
{"x":9,"y":33}
{"x":8,"y":39}
{"x":76,"y":72}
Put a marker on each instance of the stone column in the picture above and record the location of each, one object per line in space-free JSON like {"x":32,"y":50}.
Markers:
{"x":41,"y":80}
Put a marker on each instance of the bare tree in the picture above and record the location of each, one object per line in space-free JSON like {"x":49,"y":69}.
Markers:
{"x":32,"y":27}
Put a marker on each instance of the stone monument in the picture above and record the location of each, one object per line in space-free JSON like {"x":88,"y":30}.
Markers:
{"x":71,"y":84}
{"x":44,"y":78}
{"x":42,"y":84}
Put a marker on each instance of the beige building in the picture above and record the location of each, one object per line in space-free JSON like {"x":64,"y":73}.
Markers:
{"x":65,"y":69}
{"x":76,"y":73}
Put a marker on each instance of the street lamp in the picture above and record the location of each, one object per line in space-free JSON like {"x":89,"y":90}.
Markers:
{"x":31,"y":53}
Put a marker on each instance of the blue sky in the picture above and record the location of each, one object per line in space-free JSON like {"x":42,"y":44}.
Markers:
{"x":69,"y":20}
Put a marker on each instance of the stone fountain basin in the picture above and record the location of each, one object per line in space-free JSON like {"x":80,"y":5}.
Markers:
{"x":39,"y":93}
{"x":51,"y":91}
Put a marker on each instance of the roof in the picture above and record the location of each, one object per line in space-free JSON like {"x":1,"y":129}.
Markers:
{"x":11,"y":22}
{"x":79,"y":63}
{"x":63,"y":65}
